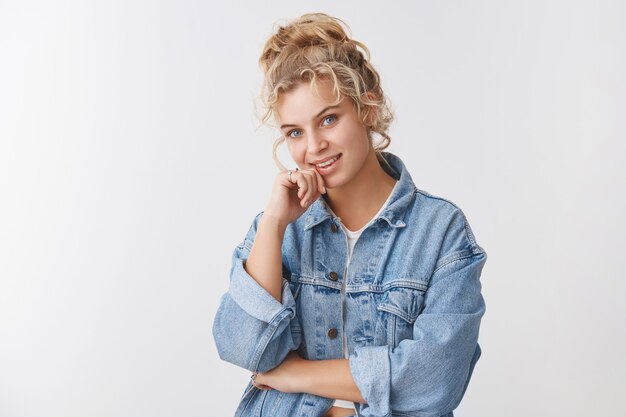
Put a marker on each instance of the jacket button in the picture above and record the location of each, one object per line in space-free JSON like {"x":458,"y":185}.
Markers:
{"x":333,"y":276}
{"x":333,"y":228}
{"x":332,"y":333}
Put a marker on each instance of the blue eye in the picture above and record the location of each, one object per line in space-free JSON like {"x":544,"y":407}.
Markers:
{"x":290,"y":132}
{"x":330,"y":116}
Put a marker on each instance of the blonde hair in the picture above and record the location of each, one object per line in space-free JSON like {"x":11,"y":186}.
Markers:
{"x":314,"y":47}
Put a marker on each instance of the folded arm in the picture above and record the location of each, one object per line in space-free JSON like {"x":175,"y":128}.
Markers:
{"x":254,"y":322}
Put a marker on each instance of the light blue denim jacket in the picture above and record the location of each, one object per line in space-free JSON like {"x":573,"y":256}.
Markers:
{"x":409,"y":309}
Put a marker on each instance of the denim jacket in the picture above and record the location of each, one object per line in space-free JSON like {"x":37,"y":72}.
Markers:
{"x":408,"y":310}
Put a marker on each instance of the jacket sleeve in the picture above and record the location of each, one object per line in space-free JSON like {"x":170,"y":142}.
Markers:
{"x":427,"y":375}
{"x":251,"y":328}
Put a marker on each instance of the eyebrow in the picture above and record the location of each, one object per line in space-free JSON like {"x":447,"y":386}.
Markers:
{"x":318,"y":115}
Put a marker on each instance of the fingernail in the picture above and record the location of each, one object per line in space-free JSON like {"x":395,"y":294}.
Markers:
{"x":324,"y":188}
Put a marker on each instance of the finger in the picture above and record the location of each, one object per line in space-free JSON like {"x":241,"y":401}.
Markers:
{"x":290,"y":178}
{"x":312,"y":193}
{"x":257,"y":383}
{"x":309,"y":196}
{"x":320,"y":182}
{"x":316,"y":190}
{"x":311,"y":181}
{"x":302,"y":183}
{"x":261,"y":386}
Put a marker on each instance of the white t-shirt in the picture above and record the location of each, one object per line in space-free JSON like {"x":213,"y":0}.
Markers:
{"x":352,"y":238}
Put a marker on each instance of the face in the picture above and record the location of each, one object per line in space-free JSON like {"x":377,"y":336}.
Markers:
{"x":330,"y":139}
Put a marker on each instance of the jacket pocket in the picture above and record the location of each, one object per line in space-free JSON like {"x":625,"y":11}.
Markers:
{"x":398,"y":310}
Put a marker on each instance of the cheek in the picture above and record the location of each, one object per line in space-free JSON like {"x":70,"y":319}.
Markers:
{"x":297,"y":151}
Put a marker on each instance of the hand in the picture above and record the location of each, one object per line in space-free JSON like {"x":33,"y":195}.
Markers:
{"x":339,"y":412}
{"x":290,"y":199}
{"x":286,"y":377}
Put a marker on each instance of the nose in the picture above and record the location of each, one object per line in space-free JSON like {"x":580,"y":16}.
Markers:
{"x":316,"y":142}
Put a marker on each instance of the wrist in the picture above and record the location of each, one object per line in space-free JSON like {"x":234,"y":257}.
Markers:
{"x":273,"y":222}
{"x":305,"y":377}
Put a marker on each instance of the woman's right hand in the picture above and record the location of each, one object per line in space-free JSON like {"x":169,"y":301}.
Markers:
{"x":339,"y":412}
{"x":290,"y":199}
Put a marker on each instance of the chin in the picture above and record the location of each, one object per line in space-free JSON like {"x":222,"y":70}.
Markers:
{"x":334,"y":183}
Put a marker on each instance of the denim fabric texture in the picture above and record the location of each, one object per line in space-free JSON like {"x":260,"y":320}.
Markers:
{"x":410,"y":307}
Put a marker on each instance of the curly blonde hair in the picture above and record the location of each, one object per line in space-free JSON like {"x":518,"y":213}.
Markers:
{"x":314,"y":47}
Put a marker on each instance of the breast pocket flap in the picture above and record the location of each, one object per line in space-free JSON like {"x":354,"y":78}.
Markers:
{"x":405,"y":303}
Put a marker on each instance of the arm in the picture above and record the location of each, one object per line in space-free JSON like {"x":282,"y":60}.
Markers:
{"x":330,"y":378}
{"x":253,"y":324}
{"x":252,"y":329}
{"x":265,"y":261}
{"x":428,"y":375}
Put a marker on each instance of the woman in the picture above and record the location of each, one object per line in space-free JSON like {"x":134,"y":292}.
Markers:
{"x":354,"y":292}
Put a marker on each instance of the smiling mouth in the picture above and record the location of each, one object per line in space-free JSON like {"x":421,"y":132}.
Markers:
{"x":328,"y":163}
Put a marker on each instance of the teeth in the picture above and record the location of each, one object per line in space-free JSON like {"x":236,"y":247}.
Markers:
{"x":325,"y":164}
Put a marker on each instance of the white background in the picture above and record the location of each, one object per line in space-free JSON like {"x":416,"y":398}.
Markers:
{"x":131,"y":165}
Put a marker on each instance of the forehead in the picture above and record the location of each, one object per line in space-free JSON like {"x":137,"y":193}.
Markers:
{"x":304,"y":101}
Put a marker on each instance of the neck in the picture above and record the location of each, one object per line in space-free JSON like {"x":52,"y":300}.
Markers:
{"x":357,"y":202}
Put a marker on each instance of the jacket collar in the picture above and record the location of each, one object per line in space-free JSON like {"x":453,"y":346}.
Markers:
{"x":401,"y":197}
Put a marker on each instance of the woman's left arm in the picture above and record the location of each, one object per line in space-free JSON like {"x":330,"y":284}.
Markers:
{"x":428,"y":374}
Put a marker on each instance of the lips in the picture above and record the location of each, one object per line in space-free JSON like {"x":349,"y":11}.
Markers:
{"x":331,"y":165}
{"x":326,"y":162}
{"x":319,"y":161}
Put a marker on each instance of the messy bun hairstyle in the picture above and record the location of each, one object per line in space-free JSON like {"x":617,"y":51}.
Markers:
{"x":314,"y":47}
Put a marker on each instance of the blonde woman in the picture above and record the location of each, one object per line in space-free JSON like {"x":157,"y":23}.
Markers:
{"x":354,"y":293}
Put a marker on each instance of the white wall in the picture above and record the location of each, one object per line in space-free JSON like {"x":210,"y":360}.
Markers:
{"x":131,"y":166}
